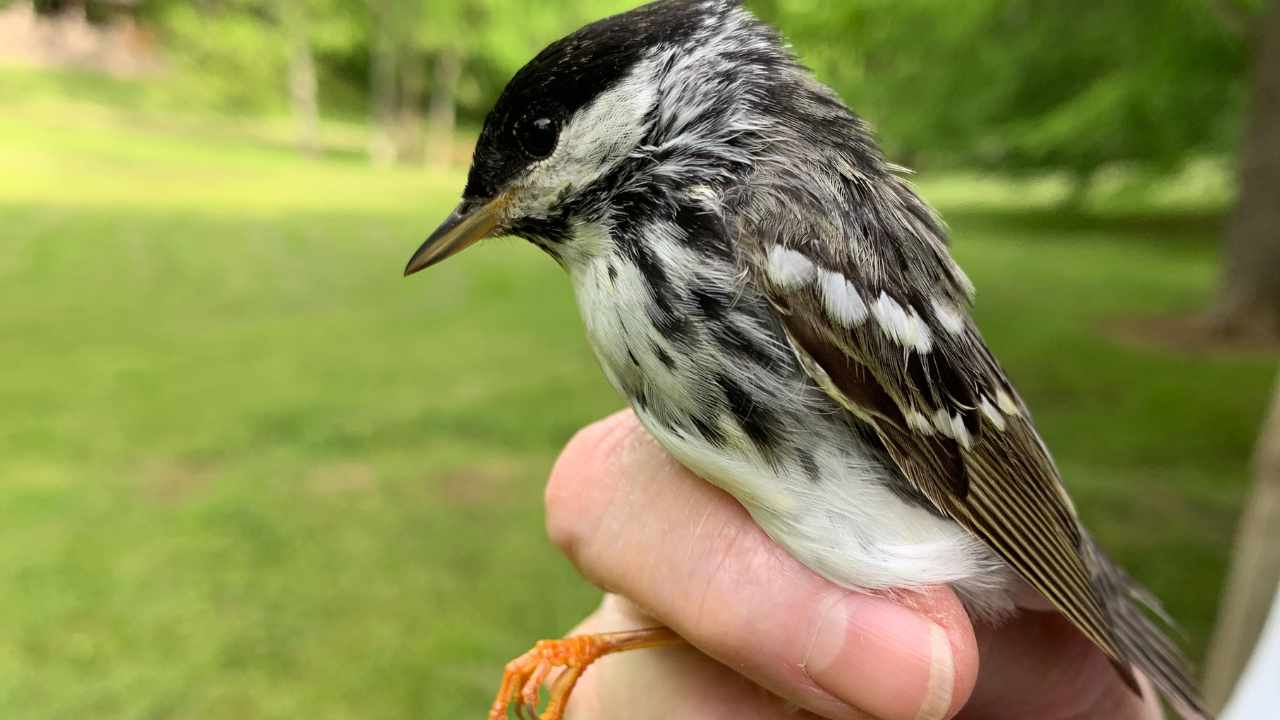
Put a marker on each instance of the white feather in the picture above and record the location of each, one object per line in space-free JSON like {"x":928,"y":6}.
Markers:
{"x":942,"y":422}
{"x":960,"y":432}
{"x":918,"y":422}
{"x":904,"y":326}
{"x":841,"y":298}
{"x":992,"y":414}
{"x":1006,"y":404}
{"x":789,"y":269}
{"x":948,"y":317}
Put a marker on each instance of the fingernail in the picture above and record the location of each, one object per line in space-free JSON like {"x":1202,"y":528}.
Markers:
{"x":881,"y":658}
{"x":942,"y":677}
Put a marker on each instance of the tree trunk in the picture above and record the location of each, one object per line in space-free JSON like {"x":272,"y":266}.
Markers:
{"x":1255,"y":570}
{"x":443,"y":111}
{"x":409,"y":125}
{"x":1249,"y":295}
{"x":382,"y":84}
{"x":303,"y":87}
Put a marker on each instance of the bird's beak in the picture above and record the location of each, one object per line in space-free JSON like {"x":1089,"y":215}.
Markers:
{"x":466,"y":225}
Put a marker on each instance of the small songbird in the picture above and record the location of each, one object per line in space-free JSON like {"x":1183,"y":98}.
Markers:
{"x":783,"y":314}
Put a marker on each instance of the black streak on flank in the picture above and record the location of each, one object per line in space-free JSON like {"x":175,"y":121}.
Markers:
{"x":704,"y":231}
{"x":670,"y":325}
{"x":662,"y":311}
{"x":707,"y":428}
{"x":632,"y":355}
{"x":733,"y":340}
{"x":613,"y":274}
{"x":651,"y":268}
{"x":755,"y":420}
{"x":711,"y":302}
{"x":810,"y":465}
{"x":664,"y":357}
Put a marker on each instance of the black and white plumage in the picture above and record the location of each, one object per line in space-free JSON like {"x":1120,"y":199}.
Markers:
{"x":783,"y":313}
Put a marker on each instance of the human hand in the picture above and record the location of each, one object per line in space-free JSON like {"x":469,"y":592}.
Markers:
{"x":770,"y":639}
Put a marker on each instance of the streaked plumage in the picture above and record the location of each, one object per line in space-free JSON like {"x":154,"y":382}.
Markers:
{"x":783,"y":313}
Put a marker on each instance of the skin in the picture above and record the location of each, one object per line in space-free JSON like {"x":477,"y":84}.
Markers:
{"x":768,"y":638}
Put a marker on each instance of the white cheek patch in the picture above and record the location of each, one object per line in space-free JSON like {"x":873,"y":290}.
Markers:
{"x":594,"y":139}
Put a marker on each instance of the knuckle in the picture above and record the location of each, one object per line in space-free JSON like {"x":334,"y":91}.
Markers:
{"x":586,"y":460}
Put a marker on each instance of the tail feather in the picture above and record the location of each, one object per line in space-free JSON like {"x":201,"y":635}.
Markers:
{"x":1143,"y":644}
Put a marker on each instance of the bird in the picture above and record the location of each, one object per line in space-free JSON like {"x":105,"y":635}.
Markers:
{"x":782,"y":311}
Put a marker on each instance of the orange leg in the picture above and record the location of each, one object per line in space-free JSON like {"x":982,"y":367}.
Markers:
{"x":524,"y":675}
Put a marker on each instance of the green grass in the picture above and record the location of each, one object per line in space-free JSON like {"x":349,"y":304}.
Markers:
{"x":247,"y":471}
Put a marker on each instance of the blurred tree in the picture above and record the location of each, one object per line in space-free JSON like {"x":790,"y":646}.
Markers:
{"x":386,"y":41}
{"x":1249,"y":303}
{"x":448,"y":34}
{"x":443,"y":112}
{"x":1249,"y":290}
{"x":308,"y":28}
{"x":257,"y":54}
{"x":1255,"y":570}
{"x":230,"y":53}
{"x":1029,"y":84}
{"x":422,"y":56}
{"x":304,"y":89}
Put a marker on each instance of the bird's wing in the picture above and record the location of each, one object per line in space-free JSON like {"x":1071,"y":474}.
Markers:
{"x":878,"y":313}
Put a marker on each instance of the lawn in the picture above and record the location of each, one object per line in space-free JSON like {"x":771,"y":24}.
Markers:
{"x":247,"y":471}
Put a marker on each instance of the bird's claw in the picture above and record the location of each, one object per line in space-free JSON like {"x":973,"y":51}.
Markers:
{"x":523,"y":677}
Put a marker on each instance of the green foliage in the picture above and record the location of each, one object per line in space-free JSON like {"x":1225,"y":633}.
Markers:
{"x":496,"y":37}
{"x":1013,"y":84}
{"x":1030,"y":83}
{"x":231,"y":55}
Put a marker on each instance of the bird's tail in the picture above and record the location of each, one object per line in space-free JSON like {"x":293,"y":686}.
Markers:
{"x":1140,"y":633}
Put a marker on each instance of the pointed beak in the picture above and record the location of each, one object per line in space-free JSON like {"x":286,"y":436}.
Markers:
{"x":466,"y":225}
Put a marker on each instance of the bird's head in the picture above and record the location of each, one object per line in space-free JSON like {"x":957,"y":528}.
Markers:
{"x":608,"y":121}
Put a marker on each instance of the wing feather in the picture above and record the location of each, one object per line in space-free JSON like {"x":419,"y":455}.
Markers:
{"x":1002,"y":486}
{"x":914,"y":366}
{"x":876,"y":310}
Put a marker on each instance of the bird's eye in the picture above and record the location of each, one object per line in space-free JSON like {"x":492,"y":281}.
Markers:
{"x":538,"y":136}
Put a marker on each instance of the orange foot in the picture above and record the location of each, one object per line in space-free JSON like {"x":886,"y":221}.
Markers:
{"x":524,"y":676}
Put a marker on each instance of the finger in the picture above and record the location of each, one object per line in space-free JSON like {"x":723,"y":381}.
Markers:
{"x":637,"y":523}
{"x":1038,"y":665}
{"x":665,"y":683}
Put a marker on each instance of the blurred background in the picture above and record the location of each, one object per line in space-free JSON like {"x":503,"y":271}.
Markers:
{"x":247,"y":471}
